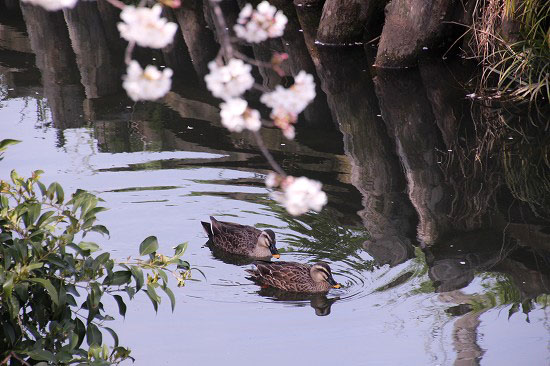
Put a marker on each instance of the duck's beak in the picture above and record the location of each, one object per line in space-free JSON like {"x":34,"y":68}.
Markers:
{"x":274,"y":251}
{"x":333,"y":283}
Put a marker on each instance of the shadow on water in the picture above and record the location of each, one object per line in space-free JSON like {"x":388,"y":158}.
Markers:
{"x":433,"y":197}
{"x":319,"y":302}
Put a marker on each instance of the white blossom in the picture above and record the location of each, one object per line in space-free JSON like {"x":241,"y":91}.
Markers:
{"x":273,"y":180}
{"x":148,"y":84}
{"x":229,"y":81}
{"x":53,"y":5}
{"x":256,"y":26}
{"x":236,"y":116}
{"x":293,"y":100}
{"x":301,"y":195}
{"x":146,"y":27}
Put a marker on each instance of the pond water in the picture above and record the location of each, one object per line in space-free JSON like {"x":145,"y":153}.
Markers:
{"x":442,"y":261}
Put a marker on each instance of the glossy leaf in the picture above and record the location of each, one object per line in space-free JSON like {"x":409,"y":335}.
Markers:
{"x":121,"y":305}
{"x":137,"y":273}
{"x":180,"y":249}
{"x":113,"y":334}
{"x":93,"y":335}
{"x":7,"y":142}
{"x":148,"y":246}
{"x":171,"y":297}
{"x":48,"y":286}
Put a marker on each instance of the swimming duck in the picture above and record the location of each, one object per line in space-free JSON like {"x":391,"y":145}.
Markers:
{"x":241,"y":239}
{"x":294,"y":277}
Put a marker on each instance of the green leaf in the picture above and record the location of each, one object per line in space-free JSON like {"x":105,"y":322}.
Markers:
{"x":100,"y":229}
{"x":148,"y":246}
{"x":80,"y":330}
{"x":50,"y":191}
{"x":121,"y":305}
{"x":137,"y":273}
{"x":7,"y":142}
{"x":42,"y":220}
{"x":113,"y":334}
{"x":180,"y":249}
{"x":48,"y":286}
{"x":103,"y":257}
{"x":33,"y":212}
{"x":42,"y":188}
{"x":59,"y":192}
{"x":7,"y":287}
{"x":4,"y":202}
{"x":77,"y":249}
{"x":155,"y":298}
{"x":119,"y":278}
{"x":41,"y":355}
{"x":171,"y":296}
{"x":93,"y":335}
{"x":86,"y":245}
{"x":164,"y":277}
{"x":93,"y":212}
{"x":34,"y":266}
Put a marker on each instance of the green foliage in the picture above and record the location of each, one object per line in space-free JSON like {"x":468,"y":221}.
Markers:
{"x":4,"y":145}
{"x":53,"y":283}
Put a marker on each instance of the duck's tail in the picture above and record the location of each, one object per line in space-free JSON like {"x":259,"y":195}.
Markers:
{"x":208,"y":229}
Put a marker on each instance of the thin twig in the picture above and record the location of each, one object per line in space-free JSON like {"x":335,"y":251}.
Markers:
{"x":117,"y":4}
{"x":268,"y":155}
{"x":225,"y":40}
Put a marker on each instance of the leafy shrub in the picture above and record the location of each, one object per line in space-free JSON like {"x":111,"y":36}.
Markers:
{"x":53,"y":283}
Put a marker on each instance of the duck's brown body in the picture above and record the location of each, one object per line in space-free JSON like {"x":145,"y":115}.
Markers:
{"x":293,"y":277}
{"x":241,"y":239}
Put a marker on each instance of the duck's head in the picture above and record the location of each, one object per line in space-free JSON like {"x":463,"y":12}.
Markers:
{"x":321,"y":272}
{"x":267,"y":239}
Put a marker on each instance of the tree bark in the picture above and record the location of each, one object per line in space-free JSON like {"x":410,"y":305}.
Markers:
{"x":410,"y":26}
{"x":197,"y":35}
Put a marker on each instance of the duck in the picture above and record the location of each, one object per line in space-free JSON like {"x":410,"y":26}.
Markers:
{"x":241,"y":239}
{"x":294,"y":277}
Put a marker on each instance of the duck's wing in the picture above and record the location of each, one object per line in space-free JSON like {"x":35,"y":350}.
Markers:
{"x":220,"y":227}
{"x":280,"y":274}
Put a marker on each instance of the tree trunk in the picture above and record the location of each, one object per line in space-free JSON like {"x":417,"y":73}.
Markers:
{"x":410,"y":26}
{"x":343,"y":21}
{"x":198,"y":37}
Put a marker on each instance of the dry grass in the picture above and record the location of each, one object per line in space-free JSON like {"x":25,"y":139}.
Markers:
{"x":511,"y":38}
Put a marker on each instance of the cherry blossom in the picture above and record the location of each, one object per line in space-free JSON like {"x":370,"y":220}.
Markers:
{"x":52,"y":5}
{"x":145,"y":26}
{"x":256,"y":26}
{"x":300,"y":195}
{"x":287,"y":103}
{"x":236,"y":116}
{"x":229,"y":81}
{"x":148,"y":84}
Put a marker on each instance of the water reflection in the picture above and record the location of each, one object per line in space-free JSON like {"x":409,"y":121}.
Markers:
{"x":319,"y":302}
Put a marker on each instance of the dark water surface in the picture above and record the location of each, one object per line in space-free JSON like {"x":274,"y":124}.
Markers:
{"x":437,"y":221}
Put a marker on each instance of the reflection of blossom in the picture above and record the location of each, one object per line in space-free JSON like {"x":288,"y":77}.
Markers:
{"x":236,"y":116}
{"x":258,"y":25}
{"x":229,"y":81}
{"x":146,"y":27}
{"x":52,"y":5}
{"x":288,"y":103}
{"x":148,"y":84}
{"x":301,"y":195}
